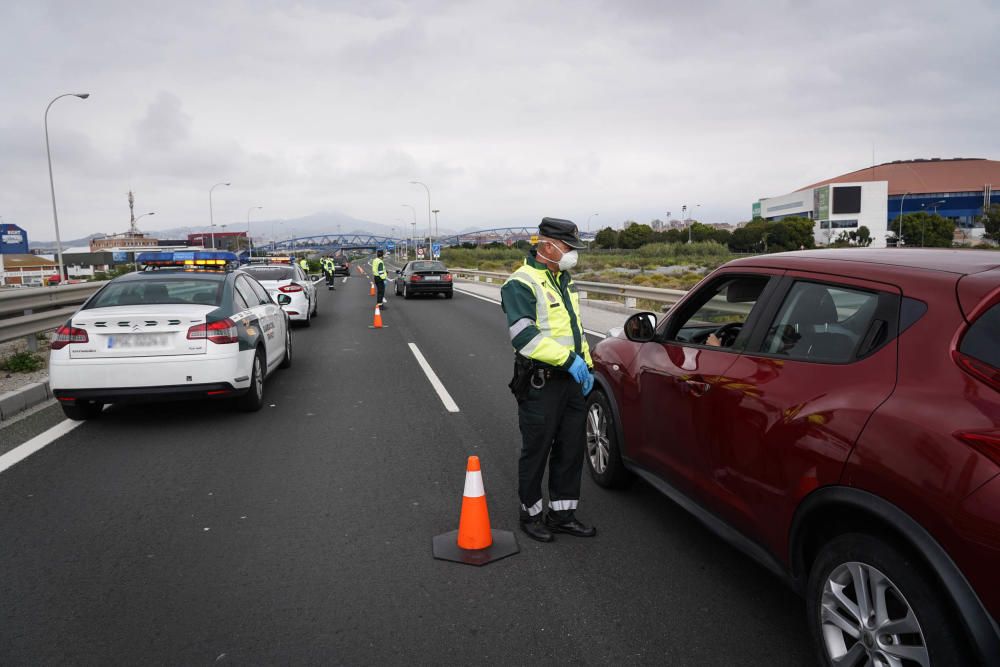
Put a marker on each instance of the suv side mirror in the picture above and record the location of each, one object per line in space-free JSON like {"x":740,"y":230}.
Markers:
{"x":399,"y":272}
{"x":284,"y":299}
{"x":641,"y":327}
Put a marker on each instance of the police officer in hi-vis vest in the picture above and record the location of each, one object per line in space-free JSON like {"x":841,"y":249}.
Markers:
{"x":379,"y":277}
{"x":551,"y":377}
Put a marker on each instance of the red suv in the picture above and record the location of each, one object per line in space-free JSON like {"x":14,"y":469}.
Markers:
{"x":835,"y":414}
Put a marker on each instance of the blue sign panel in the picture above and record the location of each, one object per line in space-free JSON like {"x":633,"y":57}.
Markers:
{"x":119,"y":257}
{"x":13,"y":240}
{"x":389,"y":245}
{"x":436,"y":249}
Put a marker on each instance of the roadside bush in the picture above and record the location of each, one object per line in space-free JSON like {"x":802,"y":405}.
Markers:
{"x":22,"y":362}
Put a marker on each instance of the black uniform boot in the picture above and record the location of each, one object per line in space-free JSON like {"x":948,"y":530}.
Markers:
{"x":536,"y":530}
{"x":570,"y":527}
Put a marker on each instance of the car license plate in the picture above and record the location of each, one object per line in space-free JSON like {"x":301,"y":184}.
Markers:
{"x":433,"y":278}
{"x":137,"y":340}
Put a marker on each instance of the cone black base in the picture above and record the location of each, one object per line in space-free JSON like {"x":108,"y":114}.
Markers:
{"x":445,"y":547}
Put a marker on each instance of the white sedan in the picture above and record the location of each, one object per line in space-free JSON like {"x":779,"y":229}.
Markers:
{"x":290,"y":280}
{"x":170,"y":334}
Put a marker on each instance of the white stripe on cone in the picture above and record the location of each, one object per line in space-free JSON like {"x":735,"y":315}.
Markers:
{"x":474,"y":484}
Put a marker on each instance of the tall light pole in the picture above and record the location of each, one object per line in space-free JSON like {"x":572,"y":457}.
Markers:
{"x":923,"y":222}
{"x":437,"y":230}
{"x":52,"y":185}
{"x":430,"y":236}
{"x":899,"y":227}
{"x":211,"y":217}
{"x":414,"y":211}
{"x":144,"y":215}
{"x":690,"y":222}
{"x":250,"y":238}
{"x":588,"y":220}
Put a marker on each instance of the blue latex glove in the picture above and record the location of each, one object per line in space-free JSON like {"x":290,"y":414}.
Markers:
{"x":579,"y":369}
{"x":588,"y":383}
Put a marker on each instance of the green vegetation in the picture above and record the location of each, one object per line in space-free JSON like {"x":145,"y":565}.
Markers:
{"x":22,"y":362}
{"x":791,"y":233}
{"x":991,"y":220}
{"x":926,"y":230}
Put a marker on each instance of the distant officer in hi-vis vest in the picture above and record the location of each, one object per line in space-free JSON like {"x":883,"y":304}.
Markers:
{"x":552,"y":374}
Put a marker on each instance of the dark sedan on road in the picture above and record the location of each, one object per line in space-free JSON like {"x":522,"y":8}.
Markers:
{"x":836,"y":415}
{"x":423,"y":277}
{"x":341,"y":267}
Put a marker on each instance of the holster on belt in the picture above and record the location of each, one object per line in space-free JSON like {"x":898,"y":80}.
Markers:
{"x":520,"y":384}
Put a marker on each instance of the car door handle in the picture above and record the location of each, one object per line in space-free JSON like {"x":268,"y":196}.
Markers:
{"x":697,"y":387}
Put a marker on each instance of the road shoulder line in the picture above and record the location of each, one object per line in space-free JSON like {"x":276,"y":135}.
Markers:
{"x":442,"y":393}
{"x":25,"y":450}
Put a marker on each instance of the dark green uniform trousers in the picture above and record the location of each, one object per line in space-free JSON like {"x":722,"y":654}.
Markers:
{"x":553,"y":431}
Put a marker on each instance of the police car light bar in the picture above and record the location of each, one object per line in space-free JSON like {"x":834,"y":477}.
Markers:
{"x":188,"y":259}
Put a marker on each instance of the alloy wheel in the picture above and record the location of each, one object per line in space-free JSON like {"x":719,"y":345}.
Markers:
{"x":866,"y":620}
{"x":598,"y":447}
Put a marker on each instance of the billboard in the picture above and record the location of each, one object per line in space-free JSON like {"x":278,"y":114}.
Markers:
{"x":821,"y":202}
{"x":13,"y":240}
{"x":755,"y":212}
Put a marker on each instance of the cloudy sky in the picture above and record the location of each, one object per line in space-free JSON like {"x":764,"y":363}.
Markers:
{"x":508,"y":110}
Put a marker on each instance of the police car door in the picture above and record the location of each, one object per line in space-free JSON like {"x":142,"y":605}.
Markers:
{"x":307,"y":284}
{"x":272,"y":322}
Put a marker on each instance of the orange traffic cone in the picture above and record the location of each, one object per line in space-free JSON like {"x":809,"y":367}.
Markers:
{"x":377,"y":323}
{"x":474,"y":543}
{"x":371,"y":292}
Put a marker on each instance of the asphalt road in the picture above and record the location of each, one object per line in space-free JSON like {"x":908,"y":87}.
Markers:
{"x":191,"y":534}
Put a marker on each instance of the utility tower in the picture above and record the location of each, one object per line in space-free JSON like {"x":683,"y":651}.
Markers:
{"x":131,"y":213}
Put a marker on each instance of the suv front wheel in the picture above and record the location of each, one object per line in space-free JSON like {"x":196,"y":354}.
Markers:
{"x":869,"y":603}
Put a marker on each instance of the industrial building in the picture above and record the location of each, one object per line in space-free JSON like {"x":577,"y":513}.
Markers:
{"x":959,"y":189}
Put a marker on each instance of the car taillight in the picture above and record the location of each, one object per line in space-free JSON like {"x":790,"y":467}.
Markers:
{"x":294,"y":287}
{"x":66,"y":335}
{"x":223,"y":331}
{"x":446,"y":277}
{"x":978,"y":369}
{"x":415,"y":278}
{"x":986,"y":443}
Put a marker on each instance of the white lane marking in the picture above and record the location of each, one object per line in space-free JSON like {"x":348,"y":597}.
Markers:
{"x":442,"y":393}
{"x":497,"y":301}
{"x":345,"y":279}
{"x":25,"y":450}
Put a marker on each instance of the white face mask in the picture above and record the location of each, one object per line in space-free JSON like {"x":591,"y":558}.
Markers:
{"x":567,"y":261}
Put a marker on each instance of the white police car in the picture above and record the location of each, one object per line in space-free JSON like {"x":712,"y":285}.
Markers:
{"x":280,"y":275}
{"x":189,"y":325}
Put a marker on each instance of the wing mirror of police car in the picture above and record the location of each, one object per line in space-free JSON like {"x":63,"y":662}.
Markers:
{"x":399,"y":272}
{"x":641,"y":327}
{"x":284,"y":299}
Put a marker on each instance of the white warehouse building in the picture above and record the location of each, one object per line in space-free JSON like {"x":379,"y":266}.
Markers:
{"x":835,"y":208}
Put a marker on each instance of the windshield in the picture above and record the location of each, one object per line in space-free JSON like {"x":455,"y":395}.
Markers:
{"x":271,"y":272}
{"x":428,"y":266}
{"x":159,"y":290}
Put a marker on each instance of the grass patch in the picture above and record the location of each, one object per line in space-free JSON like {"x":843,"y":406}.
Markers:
{"x":22,"y":362}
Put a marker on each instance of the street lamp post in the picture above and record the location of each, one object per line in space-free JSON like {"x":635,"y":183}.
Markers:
{"x":250,"y":238}
{"x":899,"y":227}
{"x":414,"y":212}
{"x":588,"y":220}
{"x":923,"y":223}
{"x":211,"y":217}
{"x":430,"y":235}
{"x":52,"y":186}
{"x":690,"y":222}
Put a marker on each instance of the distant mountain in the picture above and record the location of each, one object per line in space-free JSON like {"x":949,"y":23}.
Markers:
{"x":329,"y":222}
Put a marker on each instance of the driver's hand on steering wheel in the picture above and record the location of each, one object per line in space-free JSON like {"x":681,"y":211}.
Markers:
{"x":713,"y":340}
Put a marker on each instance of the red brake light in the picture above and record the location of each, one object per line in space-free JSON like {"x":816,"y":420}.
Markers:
{"x":66,"y":335}
{"x":986,"y":443}
{"x":978,"y":369}
{"x":223,"y":331}
{"x":415,"y":278}
{"x":294,"y":287}
{"x":446,"y":277}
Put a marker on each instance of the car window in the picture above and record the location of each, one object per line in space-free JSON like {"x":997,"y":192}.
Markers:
{"x":160,"y":290}
{"x":428,"y":266}
{"x":980,"y":342}
{"x":259,"y":290}
{"x":721,"y":308}
{"x":239,"y":301}
{"x":818,"y":322}
{"x":271,"y":272}
{"x":246,"y":291}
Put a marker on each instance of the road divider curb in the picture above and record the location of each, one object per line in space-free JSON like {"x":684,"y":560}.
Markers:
{"x":15,"y":402}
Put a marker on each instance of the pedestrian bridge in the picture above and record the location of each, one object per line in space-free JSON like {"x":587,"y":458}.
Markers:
{"x":337,"y":242}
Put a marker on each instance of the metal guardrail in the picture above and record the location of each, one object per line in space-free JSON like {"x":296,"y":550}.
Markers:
{"x":29,"y":311}
{"x":628,"y":292}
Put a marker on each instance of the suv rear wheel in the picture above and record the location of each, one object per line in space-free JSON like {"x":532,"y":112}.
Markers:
{"x":869,"y":603}
{"x":604,"y":456}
